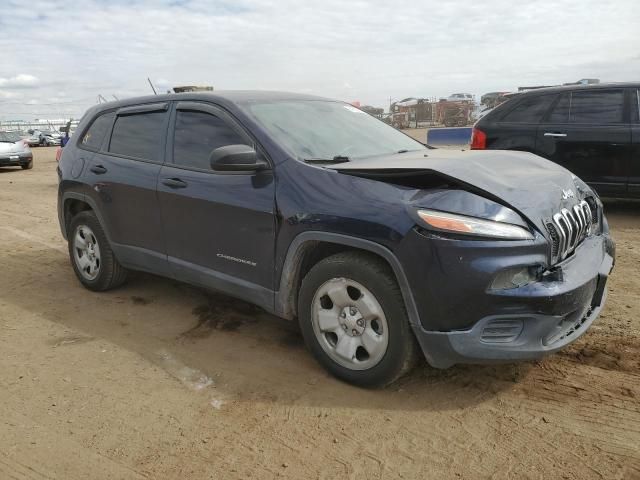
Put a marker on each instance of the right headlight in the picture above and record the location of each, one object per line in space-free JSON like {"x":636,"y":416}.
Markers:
{"x":461,"y":224}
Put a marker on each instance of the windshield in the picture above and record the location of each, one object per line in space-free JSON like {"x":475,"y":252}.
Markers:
{"x":325,"y":130}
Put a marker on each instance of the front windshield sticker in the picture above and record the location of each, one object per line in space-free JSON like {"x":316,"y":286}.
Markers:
{"x":353,"y":109}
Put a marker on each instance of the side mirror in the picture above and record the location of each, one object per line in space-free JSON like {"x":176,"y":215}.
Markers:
{"x":236,"y":158}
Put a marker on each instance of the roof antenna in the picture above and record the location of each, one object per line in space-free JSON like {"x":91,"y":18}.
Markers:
{"x":152,"y":87}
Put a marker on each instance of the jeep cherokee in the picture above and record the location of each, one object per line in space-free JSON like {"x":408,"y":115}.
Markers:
{"x":378,"y":245}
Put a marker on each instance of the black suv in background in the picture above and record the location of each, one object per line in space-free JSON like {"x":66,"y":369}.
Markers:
{"x":317,"y":211}
{"x":592,"y":130}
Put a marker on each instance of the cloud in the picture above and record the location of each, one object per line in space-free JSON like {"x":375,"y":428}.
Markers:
{"x":22,"y":80}
{"x":384,"y":49}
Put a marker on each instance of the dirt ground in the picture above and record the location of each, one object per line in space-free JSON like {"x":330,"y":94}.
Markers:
{"x":161,"y":380}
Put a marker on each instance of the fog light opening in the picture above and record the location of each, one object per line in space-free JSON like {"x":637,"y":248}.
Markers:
{"x":515,"y":277}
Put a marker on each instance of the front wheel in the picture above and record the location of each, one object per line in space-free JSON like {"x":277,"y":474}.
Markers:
{"x":27,"y":166}
{"x":354,"y":321}
{"x":91,"y":255}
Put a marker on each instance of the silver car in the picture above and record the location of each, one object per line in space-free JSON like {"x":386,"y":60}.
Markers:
{"x":50,"y":138}
{"x":32,"y":139}
{"x":14,"y":151}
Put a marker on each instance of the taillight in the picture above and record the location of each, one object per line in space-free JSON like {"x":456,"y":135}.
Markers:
{"x":478,"y":139}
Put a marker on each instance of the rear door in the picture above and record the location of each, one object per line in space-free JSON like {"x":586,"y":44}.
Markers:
{"x":587,"y":132}
{"x":516,"y":129}
{"x":124,"y":176}
{"x":634,"y":164}
{"x":219,"y":227}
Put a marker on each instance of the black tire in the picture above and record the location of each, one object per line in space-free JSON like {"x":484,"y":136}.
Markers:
{"x":110,"y":273}
{"x":27,"y":166}
{"x":376,"y":276}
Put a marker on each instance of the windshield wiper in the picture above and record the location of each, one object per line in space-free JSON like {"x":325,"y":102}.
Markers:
{"x":336,"y":159}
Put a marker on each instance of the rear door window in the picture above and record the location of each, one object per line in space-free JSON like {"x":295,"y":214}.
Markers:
{"x":138,"y":135}
{"x":560,"y":112}
{"x":530,"y":110}
{"x":597,"y":107}
{"x":635,"y":106}
{"x":95,"y":134}
{"x":197,"y":134}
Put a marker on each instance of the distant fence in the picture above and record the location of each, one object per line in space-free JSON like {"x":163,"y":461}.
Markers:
{"x":449,"y":136}
{"x":23,"y":126}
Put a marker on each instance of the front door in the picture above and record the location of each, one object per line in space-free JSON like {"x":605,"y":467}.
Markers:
{"x":586,"y":132}
{"x":219,"y":227}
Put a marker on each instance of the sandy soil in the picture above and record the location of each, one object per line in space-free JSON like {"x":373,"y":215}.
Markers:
{"x":161,"y":380}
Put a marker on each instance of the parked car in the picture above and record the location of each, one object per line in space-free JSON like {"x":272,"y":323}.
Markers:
{"x":32,"y":138}
{"x":49,"y":138}
{"x":316,"y":211}
{"x":460,"y":97}
{"x":14,"y":151}
{"x":492,"y":99}
{"x":592,"y":130}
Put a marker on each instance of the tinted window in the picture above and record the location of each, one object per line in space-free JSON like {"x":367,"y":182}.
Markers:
{"x":597,"y":106}
{"x":138,"y":135}
{"x":95,"y":134}
{"x":197,"y":134}
{"x":530,"y":110}
{"x":560,"y":113}
{"x":635,"y":106}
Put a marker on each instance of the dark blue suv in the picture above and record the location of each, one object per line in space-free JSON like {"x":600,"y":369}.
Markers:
{"x":378,"y":245}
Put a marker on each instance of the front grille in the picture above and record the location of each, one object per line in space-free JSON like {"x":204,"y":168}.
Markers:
{"x":568,"y":228}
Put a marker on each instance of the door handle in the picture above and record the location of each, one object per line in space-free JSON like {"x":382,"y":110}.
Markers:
{"x":98,"y":169}
{"x":174,"y":183}
{"x":551,"y":134}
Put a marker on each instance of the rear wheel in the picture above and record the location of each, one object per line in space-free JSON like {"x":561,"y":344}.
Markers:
{"x":91,"y":255}
{"x":27,"y":166}
{"x":353,"y":319}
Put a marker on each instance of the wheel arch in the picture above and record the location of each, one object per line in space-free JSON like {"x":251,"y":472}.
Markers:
{"x":310,"y":247}
{"x":74,"y":203}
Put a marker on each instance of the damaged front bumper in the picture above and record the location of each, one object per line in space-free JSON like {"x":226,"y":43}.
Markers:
{"x":550,"y":314}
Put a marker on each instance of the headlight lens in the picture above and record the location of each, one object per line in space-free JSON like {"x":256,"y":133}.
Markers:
{"x":464,"y":225}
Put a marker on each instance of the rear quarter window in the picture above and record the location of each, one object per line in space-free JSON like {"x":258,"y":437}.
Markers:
{"x":94,"y":135}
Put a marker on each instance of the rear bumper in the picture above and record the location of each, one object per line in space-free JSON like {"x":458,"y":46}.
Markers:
{"x":559,"y":312}
{"x":15,"y":160}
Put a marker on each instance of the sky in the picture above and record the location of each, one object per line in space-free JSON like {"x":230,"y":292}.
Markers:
{"x":57,"y":57}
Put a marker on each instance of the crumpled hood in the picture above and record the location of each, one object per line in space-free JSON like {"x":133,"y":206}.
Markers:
{"x":531,"y":185}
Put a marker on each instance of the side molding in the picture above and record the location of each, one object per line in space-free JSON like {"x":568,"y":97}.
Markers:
{"x":286,"y":296}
